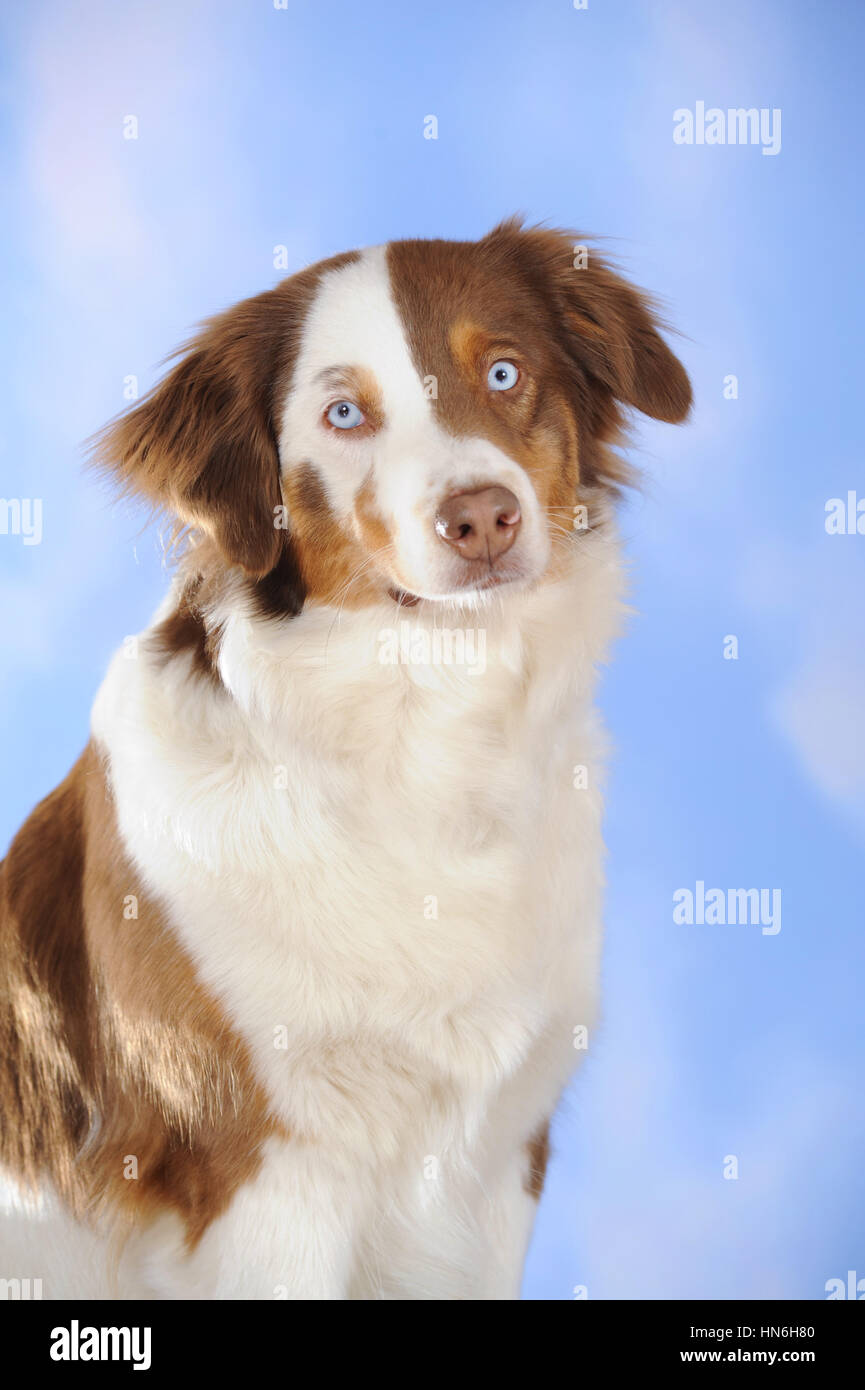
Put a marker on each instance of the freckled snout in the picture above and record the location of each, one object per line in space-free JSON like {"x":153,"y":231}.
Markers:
{"x":479,"y":525}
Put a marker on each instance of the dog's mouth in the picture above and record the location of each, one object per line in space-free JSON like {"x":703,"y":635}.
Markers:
{"x":403,"y":598}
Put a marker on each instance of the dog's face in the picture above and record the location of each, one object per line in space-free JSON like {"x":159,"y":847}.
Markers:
{"x":418,"y":420}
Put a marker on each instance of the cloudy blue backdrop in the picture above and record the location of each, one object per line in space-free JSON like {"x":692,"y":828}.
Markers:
{"x":302,"y":127}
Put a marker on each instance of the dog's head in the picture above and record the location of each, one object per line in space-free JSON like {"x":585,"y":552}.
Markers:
{"x":420,"y":420}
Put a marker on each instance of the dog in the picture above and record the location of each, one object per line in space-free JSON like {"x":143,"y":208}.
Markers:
{"x":297,"y":960}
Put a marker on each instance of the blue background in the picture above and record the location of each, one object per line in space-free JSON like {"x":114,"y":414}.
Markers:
{"x":303,"y":128}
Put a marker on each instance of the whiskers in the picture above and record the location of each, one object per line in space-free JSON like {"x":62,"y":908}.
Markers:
{"x":344,"y":591}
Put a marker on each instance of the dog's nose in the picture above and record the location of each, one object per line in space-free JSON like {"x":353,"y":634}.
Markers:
{"x":479,"y":525}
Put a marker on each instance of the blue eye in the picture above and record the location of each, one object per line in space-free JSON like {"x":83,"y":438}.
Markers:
{"x":345,"y":415}
{"x":502,"y":376}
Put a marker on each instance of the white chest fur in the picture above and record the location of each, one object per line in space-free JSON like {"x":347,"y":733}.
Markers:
{"x":385,"y":872}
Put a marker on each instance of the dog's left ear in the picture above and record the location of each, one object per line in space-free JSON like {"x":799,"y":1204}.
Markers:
{"x":610,"y":327}
{"x":202,"y":445}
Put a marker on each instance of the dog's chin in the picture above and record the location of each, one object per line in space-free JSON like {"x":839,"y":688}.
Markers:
{"x":469,"y":595}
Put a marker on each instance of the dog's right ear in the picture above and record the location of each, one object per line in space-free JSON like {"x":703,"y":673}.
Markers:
{"x":202,"y":445}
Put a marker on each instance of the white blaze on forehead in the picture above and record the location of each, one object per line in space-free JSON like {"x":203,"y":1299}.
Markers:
{"x":353,"y":322}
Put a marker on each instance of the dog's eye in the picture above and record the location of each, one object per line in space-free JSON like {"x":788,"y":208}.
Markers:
{"x":345,"y":415}
{"x":502,"y":376}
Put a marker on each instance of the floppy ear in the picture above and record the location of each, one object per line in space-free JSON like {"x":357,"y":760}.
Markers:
{"x":202,"y":444}
{"x":611,"y":327}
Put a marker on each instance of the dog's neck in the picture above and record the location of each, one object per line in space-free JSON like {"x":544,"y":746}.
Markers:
{"x":342,"y":676}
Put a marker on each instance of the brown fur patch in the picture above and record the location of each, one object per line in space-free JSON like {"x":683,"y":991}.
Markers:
{"x":538,"y":1150}
{"x":185,"y":633}
{"x":462,"y":313}
{"x":110,"y":1048}
{"x":202,"y":445}
{"x":585,"y":342}
{"x":332,"y":561}
{"x":357,"y":384}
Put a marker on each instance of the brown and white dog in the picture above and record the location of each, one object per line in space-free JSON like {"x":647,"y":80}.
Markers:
{"x":293,"y":959}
